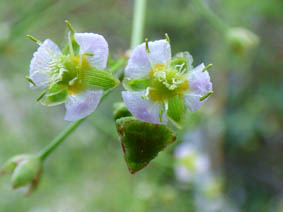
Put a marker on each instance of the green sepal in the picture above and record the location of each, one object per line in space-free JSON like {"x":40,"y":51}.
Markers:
{"x":120,"y":111}
{"x":12,"y":163}
{"x":99,"y":79}
{"x":136,"y":84}
{"x":56,"y":94}
{"x":26,"y":172}
{"x":141,"y":141}
{"x":176,"y":111}
{"x":75,"y":45}
{"x":183,"y":58}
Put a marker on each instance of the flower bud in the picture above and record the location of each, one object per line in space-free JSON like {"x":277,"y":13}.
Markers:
{"x":241,"y":39}
{"x":26,"y":171}
{"x":11,"y":164}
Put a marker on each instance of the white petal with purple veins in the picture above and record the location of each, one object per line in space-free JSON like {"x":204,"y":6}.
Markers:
{"x":141,"y":62}
{"x":144,"y":110}
{"x":47,"y":53}
{"x":200,"y":85}
{"x":81,"y":105}
{"x":96,"y":44}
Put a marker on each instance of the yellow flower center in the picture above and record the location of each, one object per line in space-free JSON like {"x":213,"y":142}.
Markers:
{"x":165,"y":83}
{"x":74,"y":76}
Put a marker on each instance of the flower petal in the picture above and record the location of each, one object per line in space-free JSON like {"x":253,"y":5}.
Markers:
{"x":141,"y":62}
{"x":138,"y":65}
{"x":81,"y":105}
{"x":47,"y":53}
{"x":96,"y":44}
{"x":144,"y":110}
{"x":200,"y":85}
{"x":160,"y":52}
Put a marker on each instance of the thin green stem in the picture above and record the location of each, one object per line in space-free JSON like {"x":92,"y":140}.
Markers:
{"x":59,"y":139}
{"x":138,"y":23}
{"x":210,"y":16}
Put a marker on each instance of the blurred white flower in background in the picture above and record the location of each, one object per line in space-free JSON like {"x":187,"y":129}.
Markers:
{"x":193,"y":166}
{"x":190,"y":162}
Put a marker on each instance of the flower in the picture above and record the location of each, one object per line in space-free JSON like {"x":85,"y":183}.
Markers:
{"x":191,"y":162}
{"x":241,"y":39}
{"x":161,"y":87}
{"x":74,"y":76}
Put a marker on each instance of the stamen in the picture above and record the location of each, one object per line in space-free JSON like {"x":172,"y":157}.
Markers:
{"x":34,"y":39}
{"x":206,"y":95}
{"x":167,"y":38}
{"x":41,"y":96}
{"x":72,"y":82}
{"x":147,"y":46}
{"x":207,"y":67}
{"x":70,"y":27}
{"x":70,"y":44}
{"x":166,"y":105}
{"x":88,"y":54}
{"x":145,"y":97}
{"x":30,"y":80}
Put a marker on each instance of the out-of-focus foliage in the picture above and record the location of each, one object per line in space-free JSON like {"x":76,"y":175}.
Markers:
{"x":241,"y":123}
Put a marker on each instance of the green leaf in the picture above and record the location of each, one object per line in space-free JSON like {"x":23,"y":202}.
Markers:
{"x":142,"y":141}
{"x":176,"y":110}
{"x":136,"y":84}
{"x":56,"y":94}
{"x":99,"y":79}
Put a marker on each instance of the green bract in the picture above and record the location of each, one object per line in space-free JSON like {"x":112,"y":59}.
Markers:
{"x":141,"y":141}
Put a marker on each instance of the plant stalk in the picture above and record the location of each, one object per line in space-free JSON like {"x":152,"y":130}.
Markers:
{"x":138,"y":23}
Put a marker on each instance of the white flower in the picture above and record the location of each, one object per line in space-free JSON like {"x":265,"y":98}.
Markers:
{"x":159,"y":79}
{"x":63,"y":74}
{"x":191,"y":162}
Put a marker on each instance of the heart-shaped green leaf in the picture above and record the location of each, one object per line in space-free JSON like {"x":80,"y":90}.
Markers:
{"x":142,"y":141}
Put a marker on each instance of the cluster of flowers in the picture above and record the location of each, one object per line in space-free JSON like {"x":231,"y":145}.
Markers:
{"x":158,"y":86}
{"x":193,"y":167}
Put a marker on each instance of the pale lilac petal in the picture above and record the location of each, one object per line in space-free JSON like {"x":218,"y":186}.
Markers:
{"x":96,"y":44}
{"x":144,"y":110}
{"x":81,"y":105}
{"x":160,"y":52}
{"x":183,"y":174}
{"x":47,"y":53}
{"x":141,"y":62}
{"x":200,"y":85}
{"x":138,"y":65}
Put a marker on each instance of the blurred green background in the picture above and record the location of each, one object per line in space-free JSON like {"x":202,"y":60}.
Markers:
{"x":241,"y":122}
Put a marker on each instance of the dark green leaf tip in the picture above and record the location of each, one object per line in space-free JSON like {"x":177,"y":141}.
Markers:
{"x":141,"y":141}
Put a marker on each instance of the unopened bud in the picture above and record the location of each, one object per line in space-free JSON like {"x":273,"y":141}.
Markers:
{"x":11,"y":164}
{"x":26,"y":171}
{"x":241,"y":39}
